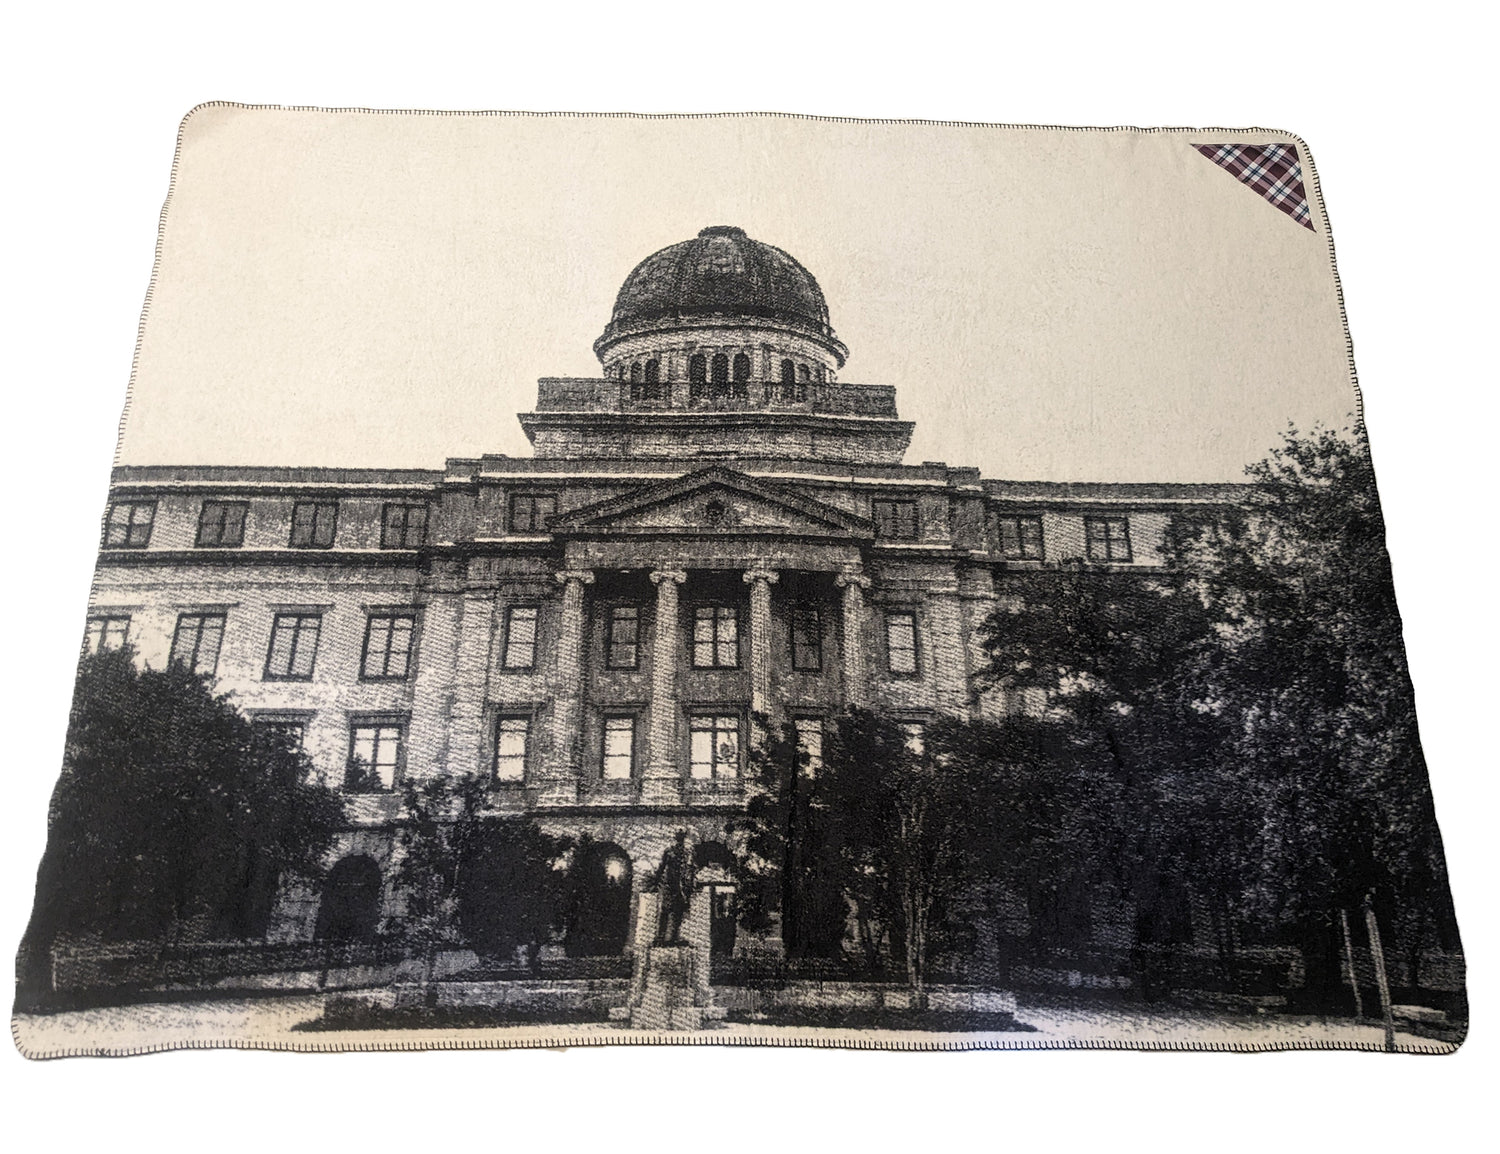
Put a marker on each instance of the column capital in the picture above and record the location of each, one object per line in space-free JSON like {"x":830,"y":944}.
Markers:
{"x":851,"y":577}
{"x":676,"y":576}
{"x":582,"y":576}
{"x":760,"y":573}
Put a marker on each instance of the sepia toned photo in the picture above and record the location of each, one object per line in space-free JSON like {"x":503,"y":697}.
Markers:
{"x":745,"y":580}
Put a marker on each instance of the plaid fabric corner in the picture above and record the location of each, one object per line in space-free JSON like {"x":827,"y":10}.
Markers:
{"x":1273,"y":170}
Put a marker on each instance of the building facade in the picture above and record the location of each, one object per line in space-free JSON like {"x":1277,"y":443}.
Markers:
{"x":714,"y":528}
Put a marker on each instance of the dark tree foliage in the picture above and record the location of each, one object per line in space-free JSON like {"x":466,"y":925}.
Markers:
{"x":471,"y":878}
{"x":173,"y":817}
{"x":1250,"y":708}
{"x":790,"y":864}
{"x":511,"y":887}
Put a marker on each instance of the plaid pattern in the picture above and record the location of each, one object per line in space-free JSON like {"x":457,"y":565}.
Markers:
{"x":1273,"y":170}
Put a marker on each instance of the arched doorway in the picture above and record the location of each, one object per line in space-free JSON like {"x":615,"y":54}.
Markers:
{"x":599,"y":914}
{"x":350,"y":909}
{"x":714,"y":865}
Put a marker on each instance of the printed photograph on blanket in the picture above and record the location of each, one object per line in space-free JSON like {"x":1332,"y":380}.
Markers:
{"x":746,"y":579}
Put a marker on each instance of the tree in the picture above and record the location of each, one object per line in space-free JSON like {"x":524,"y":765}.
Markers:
{"x":510,"y":885}
{"x":173,"y":815}
{"x":904,"y":820}
{"x":789,"y":865}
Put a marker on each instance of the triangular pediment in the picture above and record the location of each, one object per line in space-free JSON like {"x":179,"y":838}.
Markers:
{"x":713,"y":501}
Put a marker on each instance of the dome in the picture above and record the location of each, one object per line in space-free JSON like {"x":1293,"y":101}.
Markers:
{"x":720,"y":274}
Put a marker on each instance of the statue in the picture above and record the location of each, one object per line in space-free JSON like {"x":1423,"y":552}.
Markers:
{"x":673,"y":884}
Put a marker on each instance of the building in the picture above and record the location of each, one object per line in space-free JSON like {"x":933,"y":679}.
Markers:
{"x":715,"y":527}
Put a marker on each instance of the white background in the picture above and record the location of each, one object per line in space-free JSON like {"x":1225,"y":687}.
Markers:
{"x":1392,"y":105}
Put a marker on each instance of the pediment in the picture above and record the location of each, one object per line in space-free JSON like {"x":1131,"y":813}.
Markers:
{"x":711,"y":502}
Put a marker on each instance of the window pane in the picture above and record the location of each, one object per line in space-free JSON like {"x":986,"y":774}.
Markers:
{"x":702,"y":760}
{"x":520,"y":638}
{"x":377,"y":644}
{"x":510,"y":748}
{"x":305,"y":646}
{"x":901,"y":642}
{"x":210,"y":635}
{"x":810,"y":743}
{"x":727,"y":747}
{"x":398,"y":662}
{"x":185,"y":640}
{"x":416,"y":526}
{"x":279,"y":664}
{"x":92,"y":635}
{"x":619,"y":747}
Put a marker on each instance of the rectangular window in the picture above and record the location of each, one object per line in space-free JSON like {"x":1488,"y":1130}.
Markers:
{"x":313,"y":523}
{"x":810,"y":743}
{"x":221,"y":525}
{"x":520,"y":637}
{"x":128,"y":525}
{"x":387,"y":653}
{"x":403,"y":527}
{"x":289,"y":734}
{"x":915,"y":733}
{"x":375,"y":752}
{"x":1021,"y":538}
{"x":105,"y":633}
{"x":619,"y":748}
{"x":623,"y":646}
{"x":196,"y":643}
{"x":716,"y":637}
{"x":532,"y":512}
{"x":1108,"y":538}
{"x":807,"y":638}
{"x":715,"y":747}
{"x":294,"y":646}
{"x":896,"y":520}
{"x":901,"y":643}
{"x":512,"y":746}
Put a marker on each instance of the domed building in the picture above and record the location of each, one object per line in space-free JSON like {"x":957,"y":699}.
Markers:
{"x":717,"y":526}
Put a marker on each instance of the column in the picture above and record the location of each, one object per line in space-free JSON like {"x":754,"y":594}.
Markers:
{"x":949,"y":651}
{"x":760,"y":581}
{"x":663,"y":777}
{"x":561,"y":785}
{"x":854,"y":583}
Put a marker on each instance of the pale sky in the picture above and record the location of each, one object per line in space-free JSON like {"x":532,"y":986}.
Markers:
{"x":385,"y":289}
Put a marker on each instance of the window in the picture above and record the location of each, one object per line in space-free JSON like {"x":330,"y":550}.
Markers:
{"x":532,"y":512}
{"x":915,"y":735}
{"x":195,"y":644}
{"x":716,"y":637}
{"x":653,"y":371}
{"x":387,"y":652}
{"x":810,"y":743}
{"x":622,"y":646}
{"x":312,"y":524}
{"x":403,"y":527}
{"x":720,"y":370}
{"x":697,"y":369}
{"x":512,"y":746}
{"x":741,"y":368}
{"x":788,"y":372}
{"x":288,"y":733}
{"x":221,"y":525}
{"x":520,"y":637}
{"x":715,"y":749}
{"x":294,"y":646}
{"x":128,"y":525}
{"x":896,"y":520}
{"x":1021,"y":538}
{"x":375,"y":751}
{"x":105,"y":633}
{"x":635,"y":371}
{"x":807,"y":639}
{"x":804,"y":373}
{"x":619,"y":748}
{"x":1107,"y":538}
{"x":901,"y":643}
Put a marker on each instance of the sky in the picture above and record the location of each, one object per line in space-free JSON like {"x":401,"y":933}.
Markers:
{"x":384,"y":290}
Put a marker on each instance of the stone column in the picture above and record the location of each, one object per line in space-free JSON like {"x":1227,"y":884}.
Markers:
{"x":561,"y":785}
{"x":760,"y":581}
{"x":854,"y":584}
{"x":663,"y":777}
{"x":949,"y":649}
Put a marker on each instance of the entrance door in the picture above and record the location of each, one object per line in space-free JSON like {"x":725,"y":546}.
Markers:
{"x":721,"y":925}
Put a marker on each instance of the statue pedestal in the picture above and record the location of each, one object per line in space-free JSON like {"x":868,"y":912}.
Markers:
{"x":670,"y":989}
